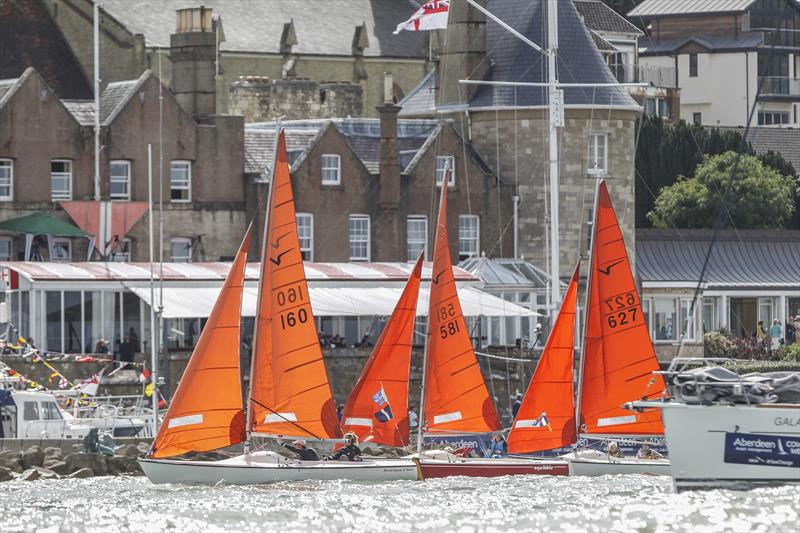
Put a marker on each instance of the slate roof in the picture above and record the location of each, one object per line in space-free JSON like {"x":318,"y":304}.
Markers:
{"x":323,"y":27}
{"x":82,"y":110}
{"x":579,"y":61}
{"x":654,"y":8}
{"x":421,"y":100}
{"x":598,"y":16}
{"x":783,"y":140}
{"x":602,"y":44}
{"x":740,"y":258}
{"x":362,"y":134}
{"x":713,"y":43}
{"x":6,"y":86}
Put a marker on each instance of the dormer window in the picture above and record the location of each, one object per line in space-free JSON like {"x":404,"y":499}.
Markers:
{"x":331,"y":169}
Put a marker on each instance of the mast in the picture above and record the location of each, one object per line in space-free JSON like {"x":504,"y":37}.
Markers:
{"x":96,"y":46}
{"x":582,"y":360}
{"x":153,"y":351}
{"x":265,"y":231}
{"x":556,"y":119}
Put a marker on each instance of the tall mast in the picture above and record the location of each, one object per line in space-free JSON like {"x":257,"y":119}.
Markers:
{"x":265,"y":232}
{"x":96,"y":46}
{"x":582,"y":361}
{"x":556,"y":119}
{"x":153,"y":350}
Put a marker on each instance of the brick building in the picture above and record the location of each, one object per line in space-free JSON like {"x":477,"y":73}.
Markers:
{"x":280,"y":39}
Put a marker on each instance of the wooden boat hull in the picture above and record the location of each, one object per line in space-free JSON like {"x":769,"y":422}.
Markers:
{"x":264,"y":467}
{"x":705,"y":454}
{"x":436,"y":468}
{"x":599,"y":464}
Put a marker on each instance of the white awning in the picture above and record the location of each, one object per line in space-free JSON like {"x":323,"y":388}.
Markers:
{"x":354,"y":301}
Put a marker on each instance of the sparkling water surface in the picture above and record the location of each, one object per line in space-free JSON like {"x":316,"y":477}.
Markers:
{"x":519,"y":503}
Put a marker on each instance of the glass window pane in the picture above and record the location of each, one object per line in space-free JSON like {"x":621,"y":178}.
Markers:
{"x":31,"y":411}
{"x":61,"y":180}
{"x":131,"y":321}
{"x":180,"y":181}
{"x":120,"y":180}
{"x":6,"y":179}
{"x":416,"y":237}
{"x":468,"y":236}
{"x":305,"y":231}
{"x":359,"y":238}
{"x":181,"y":250}
{"x":687,"y":323}
{"x":72,"y":322}
{"x":665,"y":319}
{"x":444,"y":162}
{"x":53,"y":329}
{"x":331,"y":169}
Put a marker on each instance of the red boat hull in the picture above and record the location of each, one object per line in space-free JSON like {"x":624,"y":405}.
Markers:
{"x":492,"y":468}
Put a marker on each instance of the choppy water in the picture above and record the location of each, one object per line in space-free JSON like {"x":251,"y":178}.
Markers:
{"x":522,"y":503}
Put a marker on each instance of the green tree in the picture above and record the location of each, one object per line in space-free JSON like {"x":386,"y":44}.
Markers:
{"x":760,"y":197}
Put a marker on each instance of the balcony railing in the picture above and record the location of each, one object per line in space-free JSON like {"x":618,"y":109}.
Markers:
{"x":780,"y":86}
{"x":654,"y":75}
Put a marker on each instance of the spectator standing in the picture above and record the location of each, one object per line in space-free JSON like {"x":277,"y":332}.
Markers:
{"x":775,"y":334}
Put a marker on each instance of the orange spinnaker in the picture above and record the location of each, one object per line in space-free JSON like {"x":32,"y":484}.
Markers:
{"x":290,"y":391}
{"x":546,"y":418}
{"x":377,"y":409}
{"x":456,"y":398}
{"x":206,"y":411}
{"x":618,"y":355}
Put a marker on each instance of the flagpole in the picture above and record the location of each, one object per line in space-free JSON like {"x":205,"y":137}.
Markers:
{"x":153,"y":352}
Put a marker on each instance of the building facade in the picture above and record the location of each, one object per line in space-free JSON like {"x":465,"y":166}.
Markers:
{"x":727,"y":56}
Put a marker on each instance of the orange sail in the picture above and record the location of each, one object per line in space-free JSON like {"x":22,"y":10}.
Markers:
{"x":618,"y":356}
{"x":456,"y":398}
{"x":206,"y":411}
{"x":546,"y":418}
{"x":377,"y":409}
{"x":290,"y":393}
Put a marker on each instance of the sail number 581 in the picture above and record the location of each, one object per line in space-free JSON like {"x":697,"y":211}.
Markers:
{"x":447,"y":312}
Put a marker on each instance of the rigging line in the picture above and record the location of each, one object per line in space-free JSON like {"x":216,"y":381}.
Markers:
{"x":284,"y":418}
{"x":729,"y":188}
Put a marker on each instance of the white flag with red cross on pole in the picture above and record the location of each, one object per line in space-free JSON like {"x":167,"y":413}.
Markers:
{"x":431,"y":16}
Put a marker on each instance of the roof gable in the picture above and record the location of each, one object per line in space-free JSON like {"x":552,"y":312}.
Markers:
{"x":657,"y":8}
{"x":9,"y":88}
{"x":597,"y":16}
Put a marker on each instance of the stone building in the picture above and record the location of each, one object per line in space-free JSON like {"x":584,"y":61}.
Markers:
{"x":509,"y":125}
{"x":349,"y":41}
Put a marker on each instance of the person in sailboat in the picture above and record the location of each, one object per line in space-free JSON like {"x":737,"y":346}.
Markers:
{"x":516,"y":405}
{"x":350,"y":451}
{"x":614,"y":450}
{"x":647,"y":452}
{"x":497,"y":448}
{"x":301,"y":449}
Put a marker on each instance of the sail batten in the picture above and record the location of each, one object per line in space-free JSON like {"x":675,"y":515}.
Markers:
{"x":619,"y":359}
{"x":453,"y":376}
{"x":377,"y":409}
{"x":546,"y":418}
{"x":206,"y":410}
{"x":290,"y":392}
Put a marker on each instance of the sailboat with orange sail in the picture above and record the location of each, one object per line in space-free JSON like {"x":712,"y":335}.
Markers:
{"x":455,"y":400}
{"x":618,"y":356}
{"x":289,"y":394}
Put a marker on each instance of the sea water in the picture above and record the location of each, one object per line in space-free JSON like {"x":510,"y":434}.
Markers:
{"x":520,"y":503}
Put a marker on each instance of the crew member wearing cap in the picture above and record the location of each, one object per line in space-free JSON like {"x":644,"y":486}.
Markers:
{"x":303,"y":452}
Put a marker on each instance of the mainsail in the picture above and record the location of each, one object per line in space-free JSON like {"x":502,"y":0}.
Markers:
{"x":377,"y":409}
{"x":618,"y":359}
{"x":290,"y":393}
{"x":546,"y":418}
{"x":206,"y":411}
{"x":456,"y":398}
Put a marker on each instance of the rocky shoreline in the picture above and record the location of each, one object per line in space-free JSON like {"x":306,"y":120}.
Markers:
{"x":51,"y":463}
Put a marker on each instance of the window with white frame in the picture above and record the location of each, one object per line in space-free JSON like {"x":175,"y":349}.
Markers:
{"x":122,"y":251}
{"x":181,"y":250}
{"x":61,"y":250}
{"x":416,"y":237}
{"x":469,"y":239}
{"x":710,"y":315}
{"x":180,"y":181}
{"x":598,"y":153}
{"x":444,"y":163}
{"x":665,"y":319}
{"x":5,"y":248}
{"x":120,"y":180}
{"x":359,"y":238}
{"x":331,"y":169}
{"x":6,"y":179}
{"x":766,"y":307}
{"x":646,"y":312}
{"x":687,"y":320}
{"x":305,"y":231}
{"x":61,"y":179}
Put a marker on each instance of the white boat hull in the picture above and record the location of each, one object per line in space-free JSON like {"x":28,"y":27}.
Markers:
{"x":600,"y":464}
{"x":735,"y":446}
{"x":267,"y":467}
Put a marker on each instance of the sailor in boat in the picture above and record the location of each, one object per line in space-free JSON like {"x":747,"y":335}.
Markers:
{"x":497,"y":448}
{"x":647,"y":452}
{"x":301,"y":449}
{"x":614,"y":450}
{"x":350,"y":452}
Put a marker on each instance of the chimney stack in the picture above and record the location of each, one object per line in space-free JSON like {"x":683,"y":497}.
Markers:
{"x":193,"y":52}
{"x":390,"y":164}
